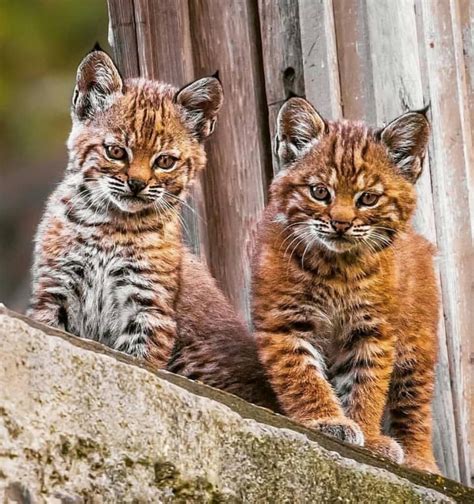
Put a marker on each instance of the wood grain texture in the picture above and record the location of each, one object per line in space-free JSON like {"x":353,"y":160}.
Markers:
{"x":123,"y":36}
{"x":318,"y":43}
{"x":355,"y":64}
{"x":225,"y":38}
{"x":398,"y":86}
{"x":164,"y":40}
{"x":466,"y":22}
{"x":449,"y":164}
{"x":281,"y":56}
{"x":445,"y":430}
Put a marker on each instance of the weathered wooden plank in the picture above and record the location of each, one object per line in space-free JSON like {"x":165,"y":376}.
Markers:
{"x":354,"y":58}
{"x":225,"y":38}
{"x":397,"y":84}
{"x":281,"y":55}
{"x":318,"y":44}
{"x":123,"y":36}
{"x":445,"y":431}
{"x":450,"y":159}
{"x":466,"y":20}
{"x":462,"y":18}
{"x":164,"y":40}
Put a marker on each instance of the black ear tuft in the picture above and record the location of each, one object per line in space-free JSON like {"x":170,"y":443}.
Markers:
{"x":292,"y":94}
{"x":424,"y":110}
{"x":97,"y":47}
{"x":216,"y":76}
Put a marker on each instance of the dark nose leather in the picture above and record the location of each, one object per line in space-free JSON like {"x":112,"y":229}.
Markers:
{"x":136,"y":185}
{"x":341,"y":226}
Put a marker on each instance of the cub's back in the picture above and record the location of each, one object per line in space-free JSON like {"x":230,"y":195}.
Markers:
{"x":417,"y":284}
{"x":214,"y":346}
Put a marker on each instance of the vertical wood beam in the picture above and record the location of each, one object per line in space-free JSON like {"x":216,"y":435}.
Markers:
{"x":123,"y":36}
{"x":355,"y":65}
{"x":225,"y":37}
{"x":451,"y":156}
{"x":318,"y":44}
{"x":445,"y":430}
{"x":281,"y":56}
{"x":466,"y":22}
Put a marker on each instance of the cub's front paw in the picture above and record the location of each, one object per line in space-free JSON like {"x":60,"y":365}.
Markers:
{"x":341,"y":428}
{"x":387,"y":447}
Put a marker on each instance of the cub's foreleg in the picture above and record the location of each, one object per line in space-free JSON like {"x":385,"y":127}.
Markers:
{"x":48,"y":302}
{"x":361,"y":376}
{"x":150,"y":333}
{"x":409,"y":406}
{"x":296,"y":371}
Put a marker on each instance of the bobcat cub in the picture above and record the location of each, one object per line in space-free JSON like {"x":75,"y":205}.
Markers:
{"x":345,"y":301}
{"x":110,"y":264}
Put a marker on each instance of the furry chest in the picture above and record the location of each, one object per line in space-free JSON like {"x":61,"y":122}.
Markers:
{"x":333,"y":312}
{"x":101,"y":287}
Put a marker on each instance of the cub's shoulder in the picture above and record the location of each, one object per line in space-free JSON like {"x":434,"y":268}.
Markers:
{"x":411,"y":243}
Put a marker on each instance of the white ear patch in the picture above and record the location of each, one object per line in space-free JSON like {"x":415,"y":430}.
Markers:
{"x":280,"y":218}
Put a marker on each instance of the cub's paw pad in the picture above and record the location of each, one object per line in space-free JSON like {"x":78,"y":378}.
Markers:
{"x":387,"y":447}
{"x":340,"y":428}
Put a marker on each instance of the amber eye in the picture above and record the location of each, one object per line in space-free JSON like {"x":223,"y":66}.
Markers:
{"x":165,"y":162}
{"x":116,"y":152}
{"x":320,"y":193}
{"x":368,"y":199}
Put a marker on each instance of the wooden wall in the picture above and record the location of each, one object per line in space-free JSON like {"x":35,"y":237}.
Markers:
{"x":359,"y":59}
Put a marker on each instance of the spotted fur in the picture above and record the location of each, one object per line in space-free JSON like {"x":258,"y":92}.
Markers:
{"x":109,"y":263}
{"x":345,"y":302}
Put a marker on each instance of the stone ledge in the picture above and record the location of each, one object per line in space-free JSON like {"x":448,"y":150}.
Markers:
{"x":80,"y":423}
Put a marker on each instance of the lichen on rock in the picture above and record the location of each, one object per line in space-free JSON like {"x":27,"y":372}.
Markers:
{"x":80,"y":423}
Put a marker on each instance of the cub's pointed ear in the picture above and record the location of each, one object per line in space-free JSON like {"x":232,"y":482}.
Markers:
{"x":98,"y":82}
{"x":406,"y":139}
{"x":299,"y":126}
{"x":201,"y":101}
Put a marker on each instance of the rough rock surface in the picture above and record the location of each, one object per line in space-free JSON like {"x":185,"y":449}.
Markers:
{"x":82,"y":424}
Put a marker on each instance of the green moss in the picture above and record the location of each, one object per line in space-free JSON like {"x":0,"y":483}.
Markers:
{"x":167,"y":477}
{"x":13,"y":429}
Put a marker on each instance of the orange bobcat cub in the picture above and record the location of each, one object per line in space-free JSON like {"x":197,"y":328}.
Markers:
{"x":345,"y":302}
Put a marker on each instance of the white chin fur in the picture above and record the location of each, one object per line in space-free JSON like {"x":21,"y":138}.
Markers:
{"x":129,"y":206}
{"x":337,"y":246}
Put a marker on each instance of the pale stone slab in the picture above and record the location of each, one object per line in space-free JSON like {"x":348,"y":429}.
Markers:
{"x":82,"y":424}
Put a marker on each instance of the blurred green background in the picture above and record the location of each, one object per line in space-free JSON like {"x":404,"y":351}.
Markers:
{"x":41,"y":44}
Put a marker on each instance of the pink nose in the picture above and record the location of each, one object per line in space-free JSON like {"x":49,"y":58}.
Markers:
{"x":341,"y":226}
